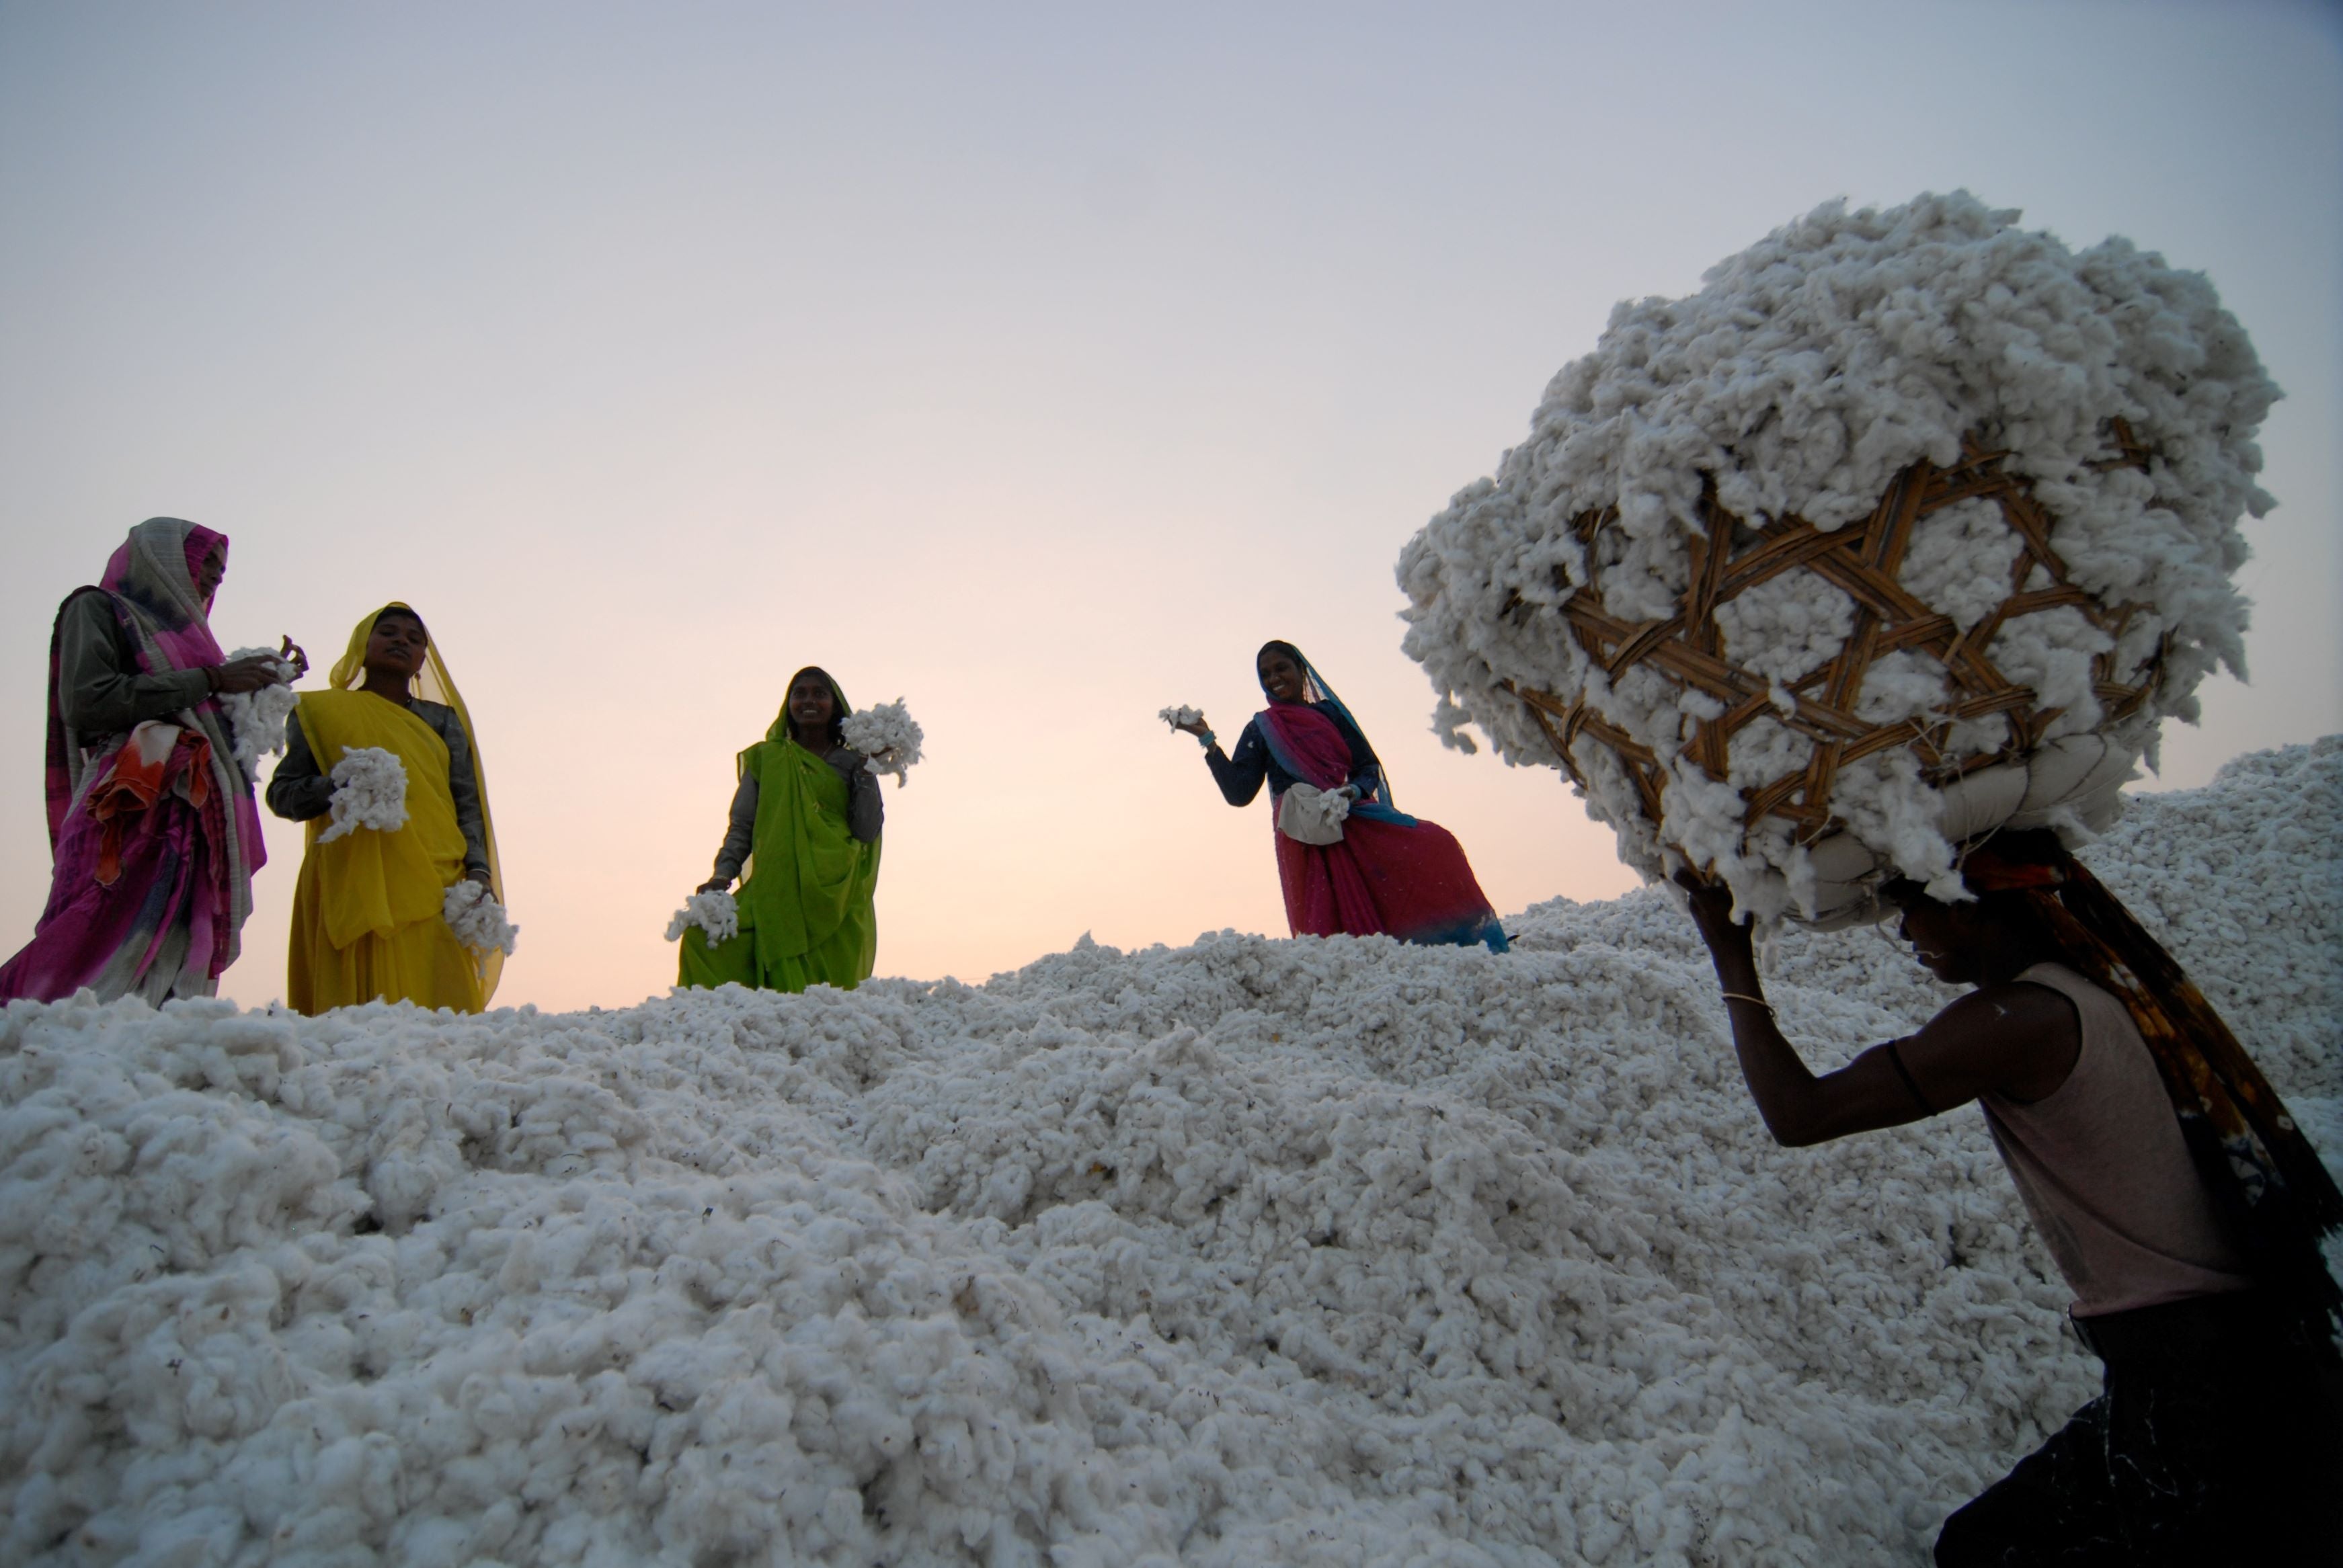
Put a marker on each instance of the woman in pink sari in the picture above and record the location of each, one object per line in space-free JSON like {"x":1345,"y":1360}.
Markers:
{"x":153,"y":828}
{"x":1350,"y":864}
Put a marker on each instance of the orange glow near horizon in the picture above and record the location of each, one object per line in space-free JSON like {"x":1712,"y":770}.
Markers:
{"x":1052,"y":801}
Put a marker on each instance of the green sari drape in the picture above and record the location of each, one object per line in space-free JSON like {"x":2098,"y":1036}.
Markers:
{"x":807,"y":915}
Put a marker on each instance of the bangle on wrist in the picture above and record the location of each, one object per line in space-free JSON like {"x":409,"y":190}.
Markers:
{"x":1745,"y":996}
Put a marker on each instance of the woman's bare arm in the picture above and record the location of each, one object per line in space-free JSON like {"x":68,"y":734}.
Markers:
{"x":2015,"y":1039}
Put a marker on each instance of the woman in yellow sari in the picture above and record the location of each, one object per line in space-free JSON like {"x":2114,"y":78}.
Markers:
{"x":805,"y":824}
{"x":367,"y":908}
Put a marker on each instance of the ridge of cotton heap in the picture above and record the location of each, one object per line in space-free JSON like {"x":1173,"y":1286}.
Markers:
{"x":256,"y":719}
{"x":1809,"y":371}
{"x":1335,"y":1253}
{"x":887,"y":737}
{"x":369,"y":791}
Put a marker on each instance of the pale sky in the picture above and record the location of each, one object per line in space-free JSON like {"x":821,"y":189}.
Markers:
{"x":1032,"y":364}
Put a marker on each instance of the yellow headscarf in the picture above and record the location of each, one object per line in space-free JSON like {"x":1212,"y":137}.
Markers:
{"x":433,"y":684}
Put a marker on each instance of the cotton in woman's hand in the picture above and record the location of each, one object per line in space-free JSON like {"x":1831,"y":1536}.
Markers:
{"x":369,"y":791}
{"x":888,"y":736}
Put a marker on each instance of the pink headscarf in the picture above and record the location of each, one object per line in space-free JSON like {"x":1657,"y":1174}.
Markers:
{"x":155,"y":571}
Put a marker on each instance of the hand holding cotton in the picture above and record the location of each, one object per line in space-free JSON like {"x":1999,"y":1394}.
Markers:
{"x":888,"y":736}
{"x":369,"y":791}
{"x":716,"y":913}
{"x":479,"y":920}
{"x":256,"y":719}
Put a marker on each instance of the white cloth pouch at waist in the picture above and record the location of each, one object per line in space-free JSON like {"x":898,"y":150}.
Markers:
{"x":1312,"y":816}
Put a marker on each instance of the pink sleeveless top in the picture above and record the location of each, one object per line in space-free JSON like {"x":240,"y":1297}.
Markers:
{"x":2104,"y":1173}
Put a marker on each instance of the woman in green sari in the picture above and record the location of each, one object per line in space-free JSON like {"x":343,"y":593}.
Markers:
{"x":805,"y":825}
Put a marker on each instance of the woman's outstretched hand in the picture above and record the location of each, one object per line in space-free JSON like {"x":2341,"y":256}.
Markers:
{"x":1199,"y":730}
{"x":714,"y":885}
{"x":248,"y":674}
{"x":290,"y":651}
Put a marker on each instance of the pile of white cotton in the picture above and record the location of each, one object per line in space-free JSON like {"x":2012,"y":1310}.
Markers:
{"x":1811,"y":369}
{"x":887,"y":737}
{"x":369,"y":791}
{"x":255,"y":719}
{"x":479,"y":920}
{"x":715,"y":912}
{"x":1333,"y":1253}
{"x":1177,"y":716}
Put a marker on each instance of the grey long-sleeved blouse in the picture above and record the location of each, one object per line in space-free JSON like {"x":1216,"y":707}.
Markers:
{"x":101,"y":690}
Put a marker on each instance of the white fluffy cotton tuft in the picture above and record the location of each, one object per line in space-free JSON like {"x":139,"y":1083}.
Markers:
{"x":1811,"y":369}
{"x":369,"y":791}
{"x":479,"y":920}
{"x":888,"y":736}
{"x":1336,"y":1254}
{"x":255,"y":719}
{"x":716,"y":912}
{"x":1182,"y":714}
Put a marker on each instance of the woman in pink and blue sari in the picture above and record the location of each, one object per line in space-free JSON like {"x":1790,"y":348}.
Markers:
{"x":1350,"y":864}
{"x":153,"y":827}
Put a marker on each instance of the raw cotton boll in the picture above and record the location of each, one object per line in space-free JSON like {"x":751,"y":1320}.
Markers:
{"x":1764,"y":750}
{"x":887,"y":737}
{"x":479,"y":920}
{"x":369,"y":791}
{"x":1788,"y":626}
{"x":255,"y":719}
{"x":1176,"y":717}
{"x":1901,"y":685}
{"x":2055,"y":653}
{"x":1914,"y":480}
{"x":1959,"y":561}
{"x":716,"y":912}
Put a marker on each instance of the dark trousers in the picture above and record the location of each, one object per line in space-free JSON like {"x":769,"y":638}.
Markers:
{"x":2218,"y":1440}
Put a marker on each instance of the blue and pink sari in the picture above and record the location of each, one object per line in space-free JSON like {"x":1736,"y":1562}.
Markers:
{"x":1391,"y":873}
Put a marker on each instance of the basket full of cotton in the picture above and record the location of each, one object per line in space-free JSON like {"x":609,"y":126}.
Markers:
{"x":1335,"y":1253}
{"x":887,"y":737}
{"x":1911,"y":524}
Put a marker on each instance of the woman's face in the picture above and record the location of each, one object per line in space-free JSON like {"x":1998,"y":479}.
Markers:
{"x":396,"y":645}
{"x":1945,"y":937}
{"x":811,"y":707}
{"x":208,"y":582}
{"x":1280,"y":677}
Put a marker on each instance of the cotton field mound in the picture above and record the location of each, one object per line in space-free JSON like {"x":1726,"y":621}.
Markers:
{"x":1249,"y":1252}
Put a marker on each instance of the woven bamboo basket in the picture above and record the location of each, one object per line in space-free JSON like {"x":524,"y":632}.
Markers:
{"x":2023,"y":781}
